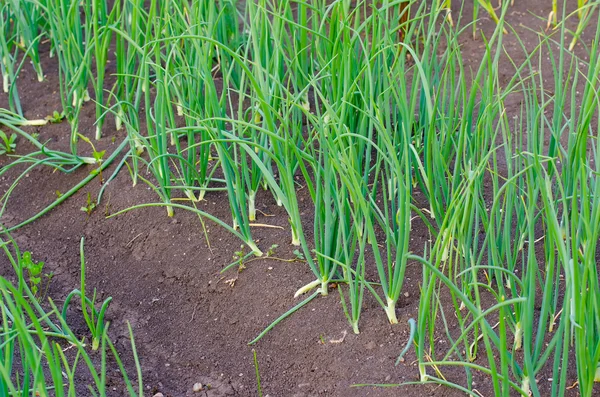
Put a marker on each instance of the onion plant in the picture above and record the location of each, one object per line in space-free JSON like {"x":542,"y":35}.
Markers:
{"x":27,"y":18}
{"x":71,"y":35}
{"x":267,"y":93}
{"x":131,"y":32}
{"x":328,"y":198}
{"x":191,"y":67}
{"x":102,"y":40}
{"x":8,"y":55}
{"x":19,"y":24}
{"x":584,"y":11}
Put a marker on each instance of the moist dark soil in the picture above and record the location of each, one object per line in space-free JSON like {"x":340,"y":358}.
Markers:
{"x":192,"y":324}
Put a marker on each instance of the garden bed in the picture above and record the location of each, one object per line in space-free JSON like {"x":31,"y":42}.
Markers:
{"x":192,"y":323}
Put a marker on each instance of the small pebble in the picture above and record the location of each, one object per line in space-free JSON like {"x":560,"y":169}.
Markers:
{"x":159,"y":394}
{"x":197,"y":387}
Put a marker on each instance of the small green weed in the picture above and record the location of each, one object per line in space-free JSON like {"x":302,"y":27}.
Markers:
{"x":8,"y":143}
{"x":299,"y":255}
{"x":34,"y":271}
{"x":55,"y":117}
{"x":90,"y":205}
{"x":98,"y":157}
{"x":239,"y":257}
{"x":272,"y":249}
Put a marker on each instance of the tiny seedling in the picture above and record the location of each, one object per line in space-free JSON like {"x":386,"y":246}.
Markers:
{"x":49,"y":277}
{"x":90,"y":205}
{"x":55,"y":117}
{"x":98,"y":158}
{"x":34,"y":271}
{"x":299,"y":255}
{"x":8,"y":144}
{"x":242,"y":259}
{"x":239,"y":258}
{"x":272,"y":249}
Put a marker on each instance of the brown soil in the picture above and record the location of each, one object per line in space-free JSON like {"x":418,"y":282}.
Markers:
{"x":190,"y":325}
